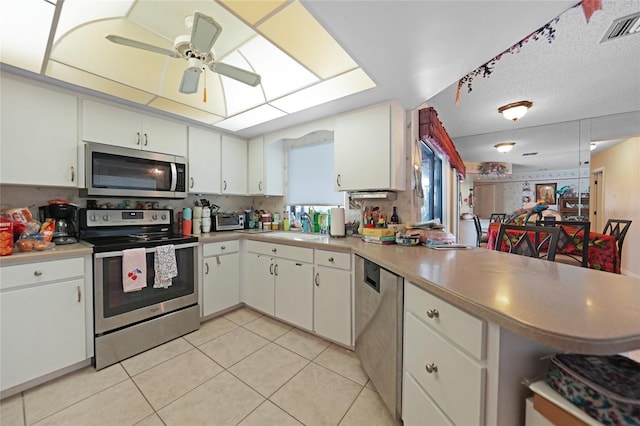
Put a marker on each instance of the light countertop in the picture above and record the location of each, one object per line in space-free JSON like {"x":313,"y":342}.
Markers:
{"x":563,"y":306}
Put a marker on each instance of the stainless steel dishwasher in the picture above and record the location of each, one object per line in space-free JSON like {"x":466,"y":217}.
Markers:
{"x":378,"y":326}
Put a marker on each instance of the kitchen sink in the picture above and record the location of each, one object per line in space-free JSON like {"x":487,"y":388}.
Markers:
{"x":296,"y":236}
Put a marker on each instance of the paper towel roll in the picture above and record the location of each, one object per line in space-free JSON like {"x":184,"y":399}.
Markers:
{"x":337,"y":222}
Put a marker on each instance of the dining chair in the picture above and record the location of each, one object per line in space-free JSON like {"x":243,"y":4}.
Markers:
{"x":570,"y":233}
{"x":498,"y":217}
{"x":617,"y":228}
{"x":476,"y":222}
{"x":534,"y":241}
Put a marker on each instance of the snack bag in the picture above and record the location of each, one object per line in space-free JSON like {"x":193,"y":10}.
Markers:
{"x":6,"y":236}
{"x":47,"y":229}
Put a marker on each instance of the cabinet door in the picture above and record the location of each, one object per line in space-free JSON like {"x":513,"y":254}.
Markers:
{"x":111,"y":125}
{"x":332,"y":304}
{"x":258,"y":283}
{"x":417,"y":407}
{"x":362,"y":148}
{"x":43,"y":330}
{"x":167,"y":137}
{"x":294,"y":292}
{"x":39,"y":134}
{"x":234,"y":165}
{"x":205,"y":175}
{"x":256,"y":183}
{"x":220,"y":283}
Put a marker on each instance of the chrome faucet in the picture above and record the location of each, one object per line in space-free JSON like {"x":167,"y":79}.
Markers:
{"x":305,"y":217}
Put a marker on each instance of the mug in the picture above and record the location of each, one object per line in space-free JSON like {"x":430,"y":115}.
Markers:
{"x":206,"y":224}
{"x":197,"y":226}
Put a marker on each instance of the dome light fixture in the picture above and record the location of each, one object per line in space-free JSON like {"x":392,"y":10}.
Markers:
{"x":504,"y":147}
{"x":592,"y":146}
{"x":515,"y":110}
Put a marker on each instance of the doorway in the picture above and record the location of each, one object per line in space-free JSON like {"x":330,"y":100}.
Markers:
{"x":485,"y":200}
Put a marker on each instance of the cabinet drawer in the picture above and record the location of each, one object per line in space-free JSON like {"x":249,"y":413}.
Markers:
{"x":462,"y":328}
{"x":458,"y":384}
{"x":223,"y":247}
{"x":417,"y":407}
{"x":333,"y":259}
{"x":301,"y":254}
{"x":38,"y":272}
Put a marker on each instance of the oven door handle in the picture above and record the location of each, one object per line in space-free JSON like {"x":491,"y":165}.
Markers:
{"x":148,"y":250}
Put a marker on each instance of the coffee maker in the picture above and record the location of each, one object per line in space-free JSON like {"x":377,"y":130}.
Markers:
{"x":66,"y":217}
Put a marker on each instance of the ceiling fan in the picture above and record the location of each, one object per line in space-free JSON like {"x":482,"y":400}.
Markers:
{"x":196,"y":49}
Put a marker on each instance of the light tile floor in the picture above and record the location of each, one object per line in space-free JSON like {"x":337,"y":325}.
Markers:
{"x":239,"y":369}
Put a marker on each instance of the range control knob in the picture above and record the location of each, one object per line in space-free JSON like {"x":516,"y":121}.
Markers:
{"x":93,"y":218}
{"x":105,"y":218}
{"x":154,"y":216}
{"x":164,"y":216}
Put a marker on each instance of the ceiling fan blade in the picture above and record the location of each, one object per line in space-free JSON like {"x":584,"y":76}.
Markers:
{"x":243,"y":76}
{"x":204,"y":33}
{"x":190,"y":79}
{"x":140,"y":45}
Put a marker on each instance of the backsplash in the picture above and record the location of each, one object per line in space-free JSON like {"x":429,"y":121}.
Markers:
{"x":32,"y":197}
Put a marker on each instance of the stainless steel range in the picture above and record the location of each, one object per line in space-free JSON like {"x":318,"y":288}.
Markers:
{"x":128,"y":323}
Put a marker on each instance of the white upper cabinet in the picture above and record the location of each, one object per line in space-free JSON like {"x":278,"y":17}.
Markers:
{"x":205,"y":149}
{"x":369,"y":147}
{"x":39,"y":134}
{"x":234,"y":165}
{"x":266,"y":167}
{"x":118,"y":126}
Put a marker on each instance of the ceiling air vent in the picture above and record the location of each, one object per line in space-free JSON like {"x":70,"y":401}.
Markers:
{"x":529,"y":153}
{"x":623,"y":26}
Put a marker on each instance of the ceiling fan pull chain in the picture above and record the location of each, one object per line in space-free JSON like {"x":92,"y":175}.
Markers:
{"x":204,"y":93}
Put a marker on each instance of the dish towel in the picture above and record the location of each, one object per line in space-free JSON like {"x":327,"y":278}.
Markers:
{"x":134,"y":269}
{"x":165,"y":266}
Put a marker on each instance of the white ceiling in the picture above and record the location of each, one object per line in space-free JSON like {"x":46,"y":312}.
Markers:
{"x":415,"y":50}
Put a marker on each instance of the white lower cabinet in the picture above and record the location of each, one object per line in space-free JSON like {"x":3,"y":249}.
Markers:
{"x":278,"y":281}
{"x":43,"y":319}
{"x":418,"y":408}
{"x":439,"y":366}
{"x":332,"y":296}
{"x":294,"y":292}
{"x":220,"y":276}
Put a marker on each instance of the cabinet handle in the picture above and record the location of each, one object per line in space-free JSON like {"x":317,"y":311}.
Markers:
{"x":218,"y":260}
{"x":73,"y":174}
{"x":271,"y":269}
{"x":431,"y":368}
{"x":338,"y":180}
{"x":79,"y":294}
{"x":433,"y":313}
{"x":192,"y":182}
{"x":330,"y":259}
{"x":273,"y":250}
{"x":146,"y":139}
{"x":37,"y":273}
{"x":223,"y":248}
{"x":275,"y":270}
{"x":260,"y":186}
{"x":207,"y":266}
{"x":224,"y":188}
{"x":137,"y":138}
{"x":317,"y":279}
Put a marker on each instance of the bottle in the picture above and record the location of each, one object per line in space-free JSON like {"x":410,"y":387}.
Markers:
{"x":286,"y":225}
{"x":394,"y":216}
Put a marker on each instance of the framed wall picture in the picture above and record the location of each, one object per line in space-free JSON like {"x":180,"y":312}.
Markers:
{"x":546,"y":193}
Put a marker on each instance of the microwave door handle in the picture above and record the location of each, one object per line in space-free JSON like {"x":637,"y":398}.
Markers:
{"x":174,"y":176}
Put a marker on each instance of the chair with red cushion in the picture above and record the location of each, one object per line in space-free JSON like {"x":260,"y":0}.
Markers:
{"x":534,"y":241}
{"x":574,"y":233}
{"x":618,"y":229}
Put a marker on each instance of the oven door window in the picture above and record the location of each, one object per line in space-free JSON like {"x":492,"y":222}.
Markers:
{"x":116,"y":171}
{"x":116,"y":301}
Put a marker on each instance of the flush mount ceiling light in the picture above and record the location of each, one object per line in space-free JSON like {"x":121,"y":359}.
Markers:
{"x":592,"y":146}
{"x":515,"y":110}
{"x":504,"y":147}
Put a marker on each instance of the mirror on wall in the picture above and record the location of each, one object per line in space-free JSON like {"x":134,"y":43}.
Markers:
{"x":577,"y":96}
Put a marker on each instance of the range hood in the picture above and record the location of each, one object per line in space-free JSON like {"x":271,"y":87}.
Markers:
{"x":373,"y":195}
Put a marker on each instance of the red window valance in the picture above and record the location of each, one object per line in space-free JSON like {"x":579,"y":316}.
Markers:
{"x":432,"y":130}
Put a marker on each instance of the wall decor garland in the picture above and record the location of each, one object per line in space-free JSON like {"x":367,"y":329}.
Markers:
{"x":546,"y":31}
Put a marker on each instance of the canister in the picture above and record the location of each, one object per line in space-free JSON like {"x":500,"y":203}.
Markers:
{"x":187,"y":213}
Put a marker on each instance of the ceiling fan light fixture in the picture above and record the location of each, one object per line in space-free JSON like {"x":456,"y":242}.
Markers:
{"x":515,"y":110}
{"x":504,"y":147}
{"x":191,"y":76}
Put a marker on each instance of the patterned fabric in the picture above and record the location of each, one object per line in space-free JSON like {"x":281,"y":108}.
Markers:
{"x":601,"y":255}
{"x":607,"y":388}
{"x":165,"y":266}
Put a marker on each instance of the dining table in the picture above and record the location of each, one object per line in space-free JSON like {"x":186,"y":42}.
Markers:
{"x":602,"y":253}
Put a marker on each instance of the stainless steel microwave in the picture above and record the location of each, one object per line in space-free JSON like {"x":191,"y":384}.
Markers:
{"x":113,"y":171}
